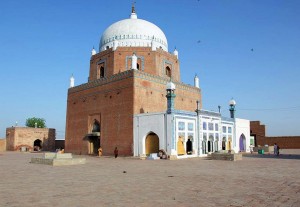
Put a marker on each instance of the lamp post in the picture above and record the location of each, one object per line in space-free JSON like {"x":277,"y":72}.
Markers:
{"x":170,"y":97}
{"x":198,"y":127}
{"x":232,"y":104}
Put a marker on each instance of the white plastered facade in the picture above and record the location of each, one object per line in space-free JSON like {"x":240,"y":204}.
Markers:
{"x":208,"y":132}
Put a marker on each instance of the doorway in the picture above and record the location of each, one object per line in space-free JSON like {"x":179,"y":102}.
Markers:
{"x":209,"y":146}
{"x":37,"y":145}
{"x":151,"y":143}
{"x":242,"y":143}
{"x":94,"y":145}
{"x":189,"y":147}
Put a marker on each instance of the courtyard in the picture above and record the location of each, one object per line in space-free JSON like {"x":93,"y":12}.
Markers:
{"x":257,"y":180}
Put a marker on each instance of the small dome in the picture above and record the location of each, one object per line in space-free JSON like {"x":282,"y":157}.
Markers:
{"x":171,"y":86}
{"x":232,"y":102}
{"x":133,"y":32}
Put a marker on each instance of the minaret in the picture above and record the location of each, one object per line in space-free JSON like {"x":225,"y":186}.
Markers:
{"x":134,"y":62}
{"x":72,"y":81}
{"x":153,"y":45}
{"x":133,"y":14}
{"x":175,"y":52}
{"x":196,"y":81}
{"x":232,"y":104}
{"x":170,"y":97}
{"x":93,"y":51}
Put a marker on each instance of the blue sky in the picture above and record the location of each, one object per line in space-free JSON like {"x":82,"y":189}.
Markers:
{"x":42,"y":42}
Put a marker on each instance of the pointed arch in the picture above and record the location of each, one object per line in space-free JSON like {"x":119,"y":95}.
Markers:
{"x":37,"y":145}
{"x":151,"y":143}
{"x":242,"y":143}
{"x":96,"y":126}
{"x":102,"y":72}
{"x":168,"y":72}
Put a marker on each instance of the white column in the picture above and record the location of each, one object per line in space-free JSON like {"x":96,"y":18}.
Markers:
{"x":196,"y":81}
{"x":134,"y":62}
{"x":175,"y":53}
{"x":115,"y":45}
{"x":72,"y":81}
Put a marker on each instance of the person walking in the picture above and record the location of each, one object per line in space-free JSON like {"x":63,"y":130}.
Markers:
{"x":116,"y":152}
{"x":277,"y":153}
{"x":275,"y":149}
{"x":251,"y":148}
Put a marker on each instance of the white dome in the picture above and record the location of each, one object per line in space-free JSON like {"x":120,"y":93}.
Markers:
{"x":133,"y":32}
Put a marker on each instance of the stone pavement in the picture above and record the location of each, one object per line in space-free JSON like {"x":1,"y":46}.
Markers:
{"x":257,"y":180}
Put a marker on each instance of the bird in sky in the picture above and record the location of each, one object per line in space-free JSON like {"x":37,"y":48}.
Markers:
{"x":252,"y":49}
{"x":198,"y":41}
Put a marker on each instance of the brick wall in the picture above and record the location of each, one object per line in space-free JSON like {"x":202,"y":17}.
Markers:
{"x":114,"y":99}
{"x":25,"y":136}
{"x":108,"y":101}
{"x":258,"y":131}
{"x":2,"y":145}
{"x":113,"y":103}
{"x":284,"y":142}
{"x":151,"y":62}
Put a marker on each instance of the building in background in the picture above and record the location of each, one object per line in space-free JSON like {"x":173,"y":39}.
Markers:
{"x":30,"y":139}
{"x":258,"y":132}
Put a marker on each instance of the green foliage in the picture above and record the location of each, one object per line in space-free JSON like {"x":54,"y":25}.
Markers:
{"x":40,"y":122}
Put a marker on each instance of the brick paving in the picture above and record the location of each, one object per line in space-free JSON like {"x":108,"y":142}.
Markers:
{"x":257,"y":180}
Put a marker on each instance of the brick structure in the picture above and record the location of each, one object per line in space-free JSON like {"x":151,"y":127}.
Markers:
{"x":101,"y":111}
{"x":284,"y":142}
{"x":29,"y":139}
{"x":2,"y":145}
{"x":258,"y":131}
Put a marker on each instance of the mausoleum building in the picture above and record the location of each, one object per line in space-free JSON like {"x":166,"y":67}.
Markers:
{"x":134,"y":100}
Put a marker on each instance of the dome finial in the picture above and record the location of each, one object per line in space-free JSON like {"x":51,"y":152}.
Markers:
{"x":133,"y":14}
{"x":132,"y":8}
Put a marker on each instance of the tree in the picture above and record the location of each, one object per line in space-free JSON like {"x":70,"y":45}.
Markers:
{"x":36,"y":122}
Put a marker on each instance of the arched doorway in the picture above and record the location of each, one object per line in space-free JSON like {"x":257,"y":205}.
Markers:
{"x":189,"y":147}
{"x":210,"y":143}
{"x":209,"y":146}
{"x":151,"y":143}
{"x":180,"y":146}
{"x":102,"y":72}
{"x":242,"y":143}
{"x":168,"y":71}
{"x":224,"y":143}
{"x":37,"y":145}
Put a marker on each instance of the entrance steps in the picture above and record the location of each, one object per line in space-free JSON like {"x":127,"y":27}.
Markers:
{"x":208,"y":157}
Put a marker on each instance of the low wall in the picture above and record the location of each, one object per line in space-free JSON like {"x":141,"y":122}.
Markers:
{"x":266,"y":149}
{"x":226,"y":156}
{"x":284,"y":142}
{"x":2,"y":145}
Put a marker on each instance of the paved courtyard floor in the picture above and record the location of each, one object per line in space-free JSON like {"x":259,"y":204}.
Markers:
{"x":257,"y":180}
